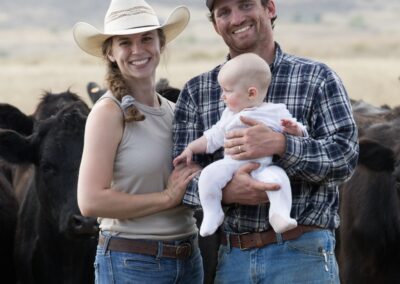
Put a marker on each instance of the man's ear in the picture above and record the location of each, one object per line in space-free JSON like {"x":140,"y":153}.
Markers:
{"x":253,"y":93}
{"x":271,"y":8}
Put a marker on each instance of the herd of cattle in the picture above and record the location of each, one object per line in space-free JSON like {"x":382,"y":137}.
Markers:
{"x":45,"y":239}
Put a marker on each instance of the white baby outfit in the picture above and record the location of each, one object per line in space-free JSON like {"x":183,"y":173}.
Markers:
{"x":216,"y":175}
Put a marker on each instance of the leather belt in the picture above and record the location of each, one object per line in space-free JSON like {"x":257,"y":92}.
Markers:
{"x":261,"y":239}
{"x":181,"y":251}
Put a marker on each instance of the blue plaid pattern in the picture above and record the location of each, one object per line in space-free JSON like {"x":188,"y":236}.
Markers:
{"x":316,"y":165}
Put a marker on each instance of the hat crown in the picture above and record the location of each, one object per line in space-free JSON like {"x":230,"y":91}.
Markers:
{"x":128,"y":17}
{"x":129,"y":14}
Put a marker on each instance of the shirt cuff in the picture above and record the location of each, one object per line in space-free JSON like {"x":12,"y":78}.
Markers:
{"x":191,"y":197}
{"x":292,"y":157}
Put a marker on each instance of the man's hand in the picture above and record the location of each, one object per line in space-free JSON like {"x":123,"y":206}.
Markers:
{"x":254,"y":142}
{"x":243,"y":189}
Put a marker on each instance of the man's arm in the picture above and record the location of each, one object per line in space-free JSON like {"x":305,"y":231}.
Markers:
{"x":186,"y":128}
{"x":253,"y":141}
{"x":329,"y":155}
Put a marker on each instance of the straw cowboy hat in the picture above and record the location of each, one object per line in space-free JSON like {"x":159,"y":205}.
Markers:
{"x":126,"y":17}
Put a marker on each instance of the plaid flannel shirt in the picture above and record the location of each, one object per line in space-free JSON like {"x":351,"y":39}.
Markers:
{"x":316,"y":164}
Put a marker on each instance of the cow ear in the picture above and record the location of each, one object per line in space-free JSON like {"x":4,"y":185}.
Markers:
{"x":376,"y":156}
{"x":16,"y":148}
{"x":95,"y":91}
{"x":12,"y":118}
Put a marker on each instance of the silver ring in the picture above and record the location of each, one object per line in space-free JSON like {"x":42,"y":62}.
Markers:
{"x":240,"y":148}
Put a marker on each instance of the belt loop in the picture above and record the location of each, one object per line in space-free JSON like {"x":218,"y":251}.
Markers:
{"x":195,"y":241}
{"x":160,"y":249}
{"x":279,"y":238}
{"x":107,"y":237}
{"x":228,"y":242}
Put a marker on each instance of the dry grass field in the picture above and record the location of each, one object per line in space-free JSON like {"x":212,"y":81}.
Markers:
{"x":365,"y":55}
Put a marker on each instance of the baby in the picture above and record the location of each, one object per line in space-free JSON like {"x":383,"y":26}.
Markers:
{"x":244,"y":81}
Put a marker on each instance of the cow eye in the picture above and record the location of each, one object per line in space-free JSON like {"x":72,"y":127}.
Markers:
{"x":48,"y":168}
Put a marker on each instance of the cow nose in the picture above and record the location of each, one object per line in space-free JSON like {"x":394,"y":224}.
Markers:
{"x":83,"y":225}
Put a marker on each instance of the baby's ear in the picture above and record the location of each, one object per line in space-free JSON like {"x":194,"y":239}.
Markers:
{"x":253,"y":92}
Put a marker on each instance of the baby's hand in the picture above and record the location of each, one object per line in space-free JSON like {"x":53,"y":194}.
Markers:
{"x":291,"y":127}
{"x":185,"y":156}
{"x":288,"y":123}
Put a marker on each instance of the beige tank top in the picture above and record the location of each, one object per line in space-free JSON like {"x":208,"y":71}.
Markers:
{"x":143,"y":164}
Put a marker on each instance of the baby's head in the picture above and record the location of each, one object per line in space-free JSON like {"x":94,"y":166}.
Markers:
{"x":244,"y":81}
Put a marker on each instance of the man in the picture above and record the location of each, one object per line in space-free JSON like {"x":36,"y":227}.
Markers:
{"x":251,"y":251}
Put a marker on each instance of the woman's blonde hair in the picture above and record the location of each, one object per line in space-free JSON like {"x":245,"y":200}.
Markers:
{"x":116,"y":82}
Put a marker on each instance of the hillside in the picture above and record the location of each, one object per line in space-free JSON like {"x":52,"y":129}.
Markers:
{"x":353,"y":19}
{"x":360,"y":39}
{"x":61,"y":14}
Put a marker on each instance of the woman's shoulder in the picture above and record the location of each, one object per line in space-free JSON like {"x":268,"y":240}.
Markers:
{"x":106,"y":110}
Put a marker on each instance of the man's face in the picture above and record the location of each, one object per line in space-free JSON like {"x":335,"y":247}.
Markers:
{"x":245,"y":25}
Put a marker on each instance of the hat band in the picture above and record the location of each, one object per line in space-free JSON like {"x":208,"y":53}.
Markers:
{"x":156,"y":26}
{"x":128,"y":12}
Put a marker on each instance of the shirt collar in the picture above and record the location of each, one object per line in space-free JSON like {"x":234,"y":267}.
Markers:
{"x":277,"y":60}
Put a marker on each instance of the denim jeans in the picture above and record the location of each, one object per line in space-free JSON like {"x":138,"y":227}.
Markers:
{"x":124,"y":267}
{"x":307,"y":259}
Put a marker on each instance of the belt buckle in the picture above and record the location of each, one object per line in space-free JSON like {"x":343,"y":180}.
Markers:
{"x":259,"y":241}
{"x":182,"y":248}
{"x":240,"y":240}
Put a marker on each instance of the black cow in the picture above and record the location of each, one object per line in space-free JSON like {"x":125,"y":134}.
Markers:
{"x":367,"y":115}
{"x":95,"y":91}
{"x":370,"y":218}
{"x":12,"y":118}
{"x":54,"y":243}
{"x":50,"y":103}
{"x":370,"y":201}
{"x":8,"y":223}
{"x":165,"y":90}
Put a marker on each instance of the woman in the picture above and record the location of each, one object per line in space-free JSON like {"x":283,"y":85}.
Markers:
{"x":125,"y":176}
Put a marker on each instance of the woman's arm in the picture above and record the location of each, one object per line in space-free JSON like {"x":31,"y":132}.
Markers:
{"x":103,"y":134}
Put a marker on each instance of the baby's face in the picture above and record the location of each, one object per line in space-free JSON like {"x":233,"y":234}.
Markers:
{"x":234,"y":95}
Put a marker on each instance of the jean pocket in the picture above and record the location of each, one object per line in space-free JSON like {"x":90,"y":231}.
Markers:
{"x":313,"y":243}
{"x":141,"y":262}
{"x":222,"y":252}
{"x":316,"y":249}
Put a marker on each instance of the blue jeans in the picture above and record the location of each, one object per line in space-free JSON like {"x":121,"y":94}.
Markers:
{"x":307,"y":259}
{"x":124,"y":267}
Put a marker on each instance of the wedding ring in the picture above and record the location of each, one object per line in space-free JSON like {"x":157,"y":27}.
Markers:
{"x":240,"y":148}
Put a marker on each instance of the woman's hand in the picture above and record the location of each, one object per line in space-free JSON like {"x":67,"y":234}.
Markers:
{"x":178,"y":181}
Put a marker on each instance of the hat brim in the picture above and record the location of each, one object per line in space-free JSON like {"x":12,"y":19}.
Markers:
{"x":90,"y":39}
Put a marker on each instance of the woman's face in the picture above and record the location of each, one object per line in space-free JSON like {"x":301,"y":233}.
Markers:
{"x":138,"y":55}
